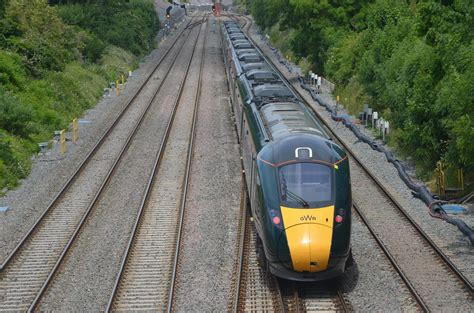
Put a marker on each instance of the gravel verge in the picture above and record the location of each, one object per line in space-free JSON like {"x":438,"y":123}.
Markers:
{"x":446,"y":236}
{"x":212,"y":209}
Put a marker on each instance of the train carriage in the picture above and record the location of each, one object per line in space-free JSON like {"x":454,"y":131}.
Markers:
{"x":297,"y":178}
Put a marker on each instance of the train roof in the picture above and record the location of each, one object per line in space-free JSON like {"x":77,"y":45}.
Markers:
{"x":243,"y":45}
{"x":239,"y":41}
{"x":273,"y":91}
{"x":253,"y":66}
{"x":284,"y":118}
{"x":285,"y":150}
{"x":261,"y":75}
{"x":230,"y":24}
{"x":285,"y":123}
{"x":236,"y":36}
{"x":242,"y":51}
{"x":250,"y":57}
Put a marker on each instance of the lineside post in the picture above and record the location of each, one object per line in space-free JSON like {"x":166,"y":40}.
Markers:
{"x":461,"y":178}
{"x":75,"y":126}
{"x":440,"y":181}
{"x":117,"y":91}
{"x":62,"y":141}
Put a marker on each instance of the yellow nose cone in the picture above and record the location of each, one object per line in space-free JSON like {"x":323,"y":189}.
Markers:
{"x":309,"y":235}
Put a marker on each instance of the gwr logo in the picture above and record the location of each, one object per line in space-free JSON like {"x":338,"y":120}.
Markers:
{"x":307,"y":218}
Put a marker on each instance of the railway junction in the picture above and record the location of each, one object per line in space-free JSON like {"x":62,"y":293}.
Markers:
{"x":149,"y":210}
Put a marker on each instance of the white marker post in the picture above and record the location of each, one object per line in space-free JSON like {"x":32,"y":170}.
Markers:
{"x":381,"y":123}
{"x":374,"y":118}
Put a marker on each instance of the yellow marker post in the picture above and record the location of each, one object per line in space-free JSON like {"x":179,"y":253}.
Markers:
{"x":75,"y":126}
{"x":440,"y":179}
{"x":337,"y":99}
{"x":116,"y":87}
{"x":123,"y":83}
{"x":461,"y":178}
{"x":62,"y":141}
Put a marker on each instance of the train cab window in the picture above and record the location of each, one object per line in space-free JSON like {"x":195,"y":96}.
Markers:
{"x":306,"y":185}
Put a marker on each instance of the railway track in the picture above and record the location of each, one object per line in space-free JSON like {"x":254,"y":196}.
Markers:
{"x":416,"y":258}
{"x":27,"y":271}
{"x":318,"y":297}
{"x":256,"y":290}
{"x":149,"y":266}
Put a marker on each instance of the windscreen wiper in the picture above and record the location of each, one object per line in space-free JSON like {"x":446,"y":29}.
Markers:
{"x":285,"y":192}
{"x":297,"y":198}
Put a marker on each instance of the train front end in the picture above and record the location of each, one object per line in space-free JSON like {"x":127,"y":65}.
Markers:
{"x":308,"y":213}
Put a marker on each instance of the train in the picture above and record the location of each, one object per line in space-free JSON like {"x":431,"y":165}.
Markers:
{"x":297,"y":178}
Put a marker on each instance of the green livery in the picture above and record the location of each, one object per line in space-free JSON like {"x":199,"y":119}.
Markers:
{"x":297,"y":178}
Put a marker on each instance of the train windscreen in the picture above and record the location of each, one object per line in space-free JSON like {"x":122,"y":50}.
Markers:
{"x":306,"y":185}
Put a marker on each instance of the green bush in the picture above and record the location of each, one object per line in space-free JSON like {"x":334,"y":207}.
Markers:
{"x":37,"y":33}
{"x":14,"y":160}
{"x":130,"y":26}
{"x":14,"y":117}
{"x":54,"y":66}
{"x":412,"y":61}
{"x":12,"y":71}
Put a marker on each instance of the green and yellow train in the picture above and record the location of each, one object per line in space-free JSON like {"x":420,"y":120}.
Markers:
{"x":297,"y":178}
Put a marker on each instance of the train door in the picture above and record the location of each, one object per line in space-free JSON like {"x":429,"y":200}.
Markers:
{"x":238,"y":110}
{"x":255,"y":202}
{"x":246,"y":154}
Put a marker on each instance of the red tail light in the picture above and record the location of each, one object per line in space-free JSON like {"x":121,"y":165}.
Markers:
{"x":338,"y":219}
{"x":276,"y":218}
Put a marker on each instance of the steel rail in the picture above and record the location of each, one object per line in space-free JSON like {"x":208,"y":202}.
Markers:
{"x":400,"y":208}
{"x":296,"y":297}
{"x":102,"y":187}
{"x":340,"y":295}
{"x":242,"y":236}
{"x":88,"y":157}
{"x":186,"y":179}
{"x":392,"y":260}
{"x":420,"y":231}
{"x":150,"y":184}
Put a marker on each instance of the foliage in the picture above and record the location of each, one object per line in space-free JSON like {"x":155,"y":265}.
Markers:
{"x":55,"y":62}
{"x":131,"y":26}
{"x":36,"y":32}
{"x":414,"y":61}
